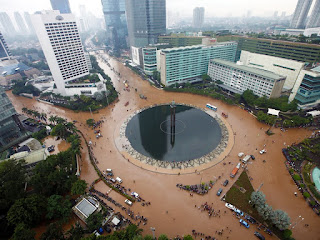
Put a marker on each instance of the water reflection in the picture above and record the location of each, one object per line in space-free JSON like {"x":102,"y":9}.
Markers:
{"x":195,"y":133}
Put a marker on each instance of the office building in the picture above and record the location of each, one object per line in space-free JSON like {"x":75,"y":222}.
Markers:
{"x":9,"y":123}
{"x":303,"y":52}
{"x":198,"y":17}
{"x":7,"y":25}
{"x":187,"y":64}
{"x":300,"y":14}
{"x":281,"y":66}
{"x":238,"y":78}
{"x":146,"y":21}
{"x":116,"y":23}
{"x":306,"y":90}
{"x":60,"y":41}
{"x":29,"y":23}
{"x":180,"y":40}
{"x":5,"y":53}
{"x":314,"y":20}
{"x":22,"y":29}
{"x":62,"y":5}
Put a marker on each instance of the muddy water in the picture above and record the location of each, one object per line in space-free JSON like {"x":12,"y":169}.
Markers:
{"x":173,"y":211}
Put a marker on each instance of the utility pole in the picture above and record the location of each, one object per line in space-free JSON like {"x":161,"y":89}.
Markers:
{"x":91,"y":112}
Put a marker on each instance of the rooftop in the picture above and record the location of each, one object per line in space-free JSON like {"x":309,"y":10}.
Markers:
{"x":176,"y":49}
{"x":85,"y":207}
{"x":257,"y":71}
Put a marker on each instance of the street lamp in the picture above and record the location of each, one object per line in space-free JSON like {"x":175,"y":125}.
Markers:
{"x":153,"y":232}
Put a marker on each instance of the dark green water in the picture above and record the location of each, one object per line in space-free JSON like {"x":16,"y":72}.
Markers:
{"x":196,"y":133}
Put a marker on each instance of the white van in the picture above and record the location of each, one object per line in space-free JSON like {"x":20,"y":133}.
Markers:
{"x":127,"y":201}
{"x":109,"y":170}
{"x":119,"y":180}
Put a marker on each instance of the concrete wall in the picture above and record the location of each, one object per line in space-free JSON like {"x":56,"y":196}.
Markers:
{"x":281,"y":66}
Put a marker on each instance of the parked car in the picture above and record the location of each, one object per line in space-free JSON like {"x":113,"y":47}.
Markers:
{"x":112,"y":180}
{"x":252,"y":157}
{"x":238,"y":212}
{"x":250,"y":219}
{"x":230,"y":206}
{"x":110,"y":174}
{"x":226,"y":182}
{"x":119,"y":180}
{"x":219,"y":192}
{"x":244,"y":223}
{"x":127,"y":201}
{"x":259,"y":235}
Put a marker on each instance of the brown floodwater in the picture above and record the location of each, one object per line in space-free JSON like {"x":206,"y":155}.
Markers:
{"x":172,"y":211}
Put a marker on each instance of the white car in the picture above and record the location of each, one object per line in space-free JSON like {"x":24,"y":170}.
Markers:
{"x":230,"y":206}
{"x":127,"y":201}
{"x":263,"y":151}
{"x":134,"y":194}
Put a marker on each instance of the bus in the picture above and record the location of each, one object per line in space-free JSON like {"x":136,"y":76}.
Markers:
{"x":211,"y":107}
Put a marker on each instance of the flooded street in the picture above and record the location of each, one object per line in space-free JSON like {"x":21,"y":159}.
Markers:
{"x":172,"y":211}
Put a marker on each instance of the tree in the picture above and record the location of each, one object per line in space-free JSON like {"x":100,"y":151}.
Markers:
{"x":76,"y":232}
{"x":265,"y":211}
{"x":58,"y":208}
{"x":287,"y":233}
{"x":163,"y":237}
{"x":22,"y":232}
{"x":79,"y":187}
{"x":94,"y":221}
{"x":12,"y":179}
{"x":98,"y":96}
{"x":281,"y":219}
{"x":188,"y":237}
{"x":53,"y":232}
{"x":258,"y":198}
{"x":27,"y":211}
{"x":148,"y":237}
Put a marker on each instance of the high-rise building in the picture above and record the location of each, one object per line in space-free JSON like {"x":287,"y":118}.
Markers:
{"x":7,"y":24}
{"x":60,"y":41}
{"x":314,"y":20}
{"x":29,"y":23}
{"x":62,"y":5}
{"x":5,"y":53}
{"x":198,"y":17}
{"x":116,"y":23}
{"x":187,"y":64}
{"x":22,"y":29}
{"x":146,"y":21}
{"x":275,"y":14}
{"x":300,"y":15}
{"x":9,"y":127}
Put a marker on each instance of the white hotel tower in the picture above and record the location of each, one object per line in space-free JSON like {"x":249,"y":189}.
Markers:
{"x":60,"y":41}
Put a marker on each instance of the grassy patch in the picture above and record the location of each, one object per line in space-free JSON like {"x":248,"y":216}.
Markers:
{"x":241,"y":200}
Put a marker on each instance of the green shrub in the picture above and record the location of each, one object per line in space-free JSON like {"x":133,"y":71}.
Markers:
{"x":296,"y":177}
{"x":306,"y":194}
{"x":312,"y":202}
{"x":302,"y":185}
{"x":314,"y":191}
{"x":306,"y":177}
{"x":291,"y":170}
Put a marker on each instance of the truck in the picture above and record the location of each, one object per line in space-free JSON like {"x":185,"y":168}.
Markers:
{"x":246,"y":159}
{"x":235,"y":171}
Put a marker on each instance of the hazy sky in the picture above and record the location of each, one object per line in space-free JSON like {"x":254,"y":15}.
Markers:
{"x":220,"y":8}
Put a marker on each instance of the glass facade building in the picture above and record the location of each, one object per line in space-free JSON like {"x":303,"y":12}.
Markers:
{"x":146,"y":21}
{"x":62,"y":5}
{"x":309,"y":90}
{"x":116,"y":23}
{"x":187,"y":64}
{"x":9,"y":130}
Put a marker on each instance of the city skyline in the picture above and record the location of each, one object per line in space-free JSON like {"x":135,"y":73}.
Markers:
{"x":227,"y":8}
